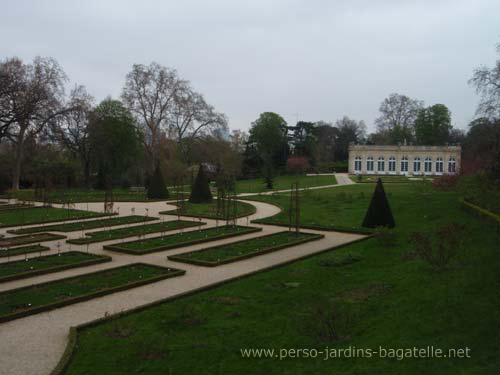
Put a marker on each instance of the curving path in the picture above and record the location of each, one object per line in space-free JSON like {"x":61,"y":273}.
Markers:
{"x":34,"y":344}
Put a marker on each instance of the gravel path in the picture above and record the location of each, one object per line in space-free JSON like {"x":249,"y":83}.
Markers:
{"x":34,"y":344}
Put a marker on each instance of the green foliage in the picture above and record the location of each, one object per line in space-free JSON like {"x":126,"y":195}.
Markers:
{"x":156,"y":187}
{"x":200,"y":193}
{"x":433,"y":125}
{"x":379,"y":212}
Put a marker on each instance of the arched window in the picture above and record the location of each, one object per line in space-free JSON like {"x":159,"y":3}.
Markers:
{"x":404,"y":164}
{"x":381,"y":164}
{"x":392,"y":164}
{"x":452,"y":165}
{"x":369,"y":164}
{"x":428,"y":165}
{"x":416,"y":165}
{"x":357,"y":164}
{"x":439,"y":165}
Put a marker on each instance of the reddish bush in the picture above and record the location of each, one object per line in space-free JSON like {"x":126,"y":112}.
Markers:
{"x":445,"y":182}
{"x":297,"y":164}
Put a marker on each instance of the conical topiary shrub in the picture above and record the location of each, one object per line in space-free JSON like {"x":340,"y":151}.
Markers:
{"x":379,"y":212}
{"x":200,"y":192}
{"x":156,"y":186}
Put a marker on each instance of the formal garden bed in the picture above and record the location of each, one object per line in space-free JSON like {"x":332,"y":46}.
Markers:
{"x":352,"y":287}
{"x":16,"y":303}
{"x":40,"y":215}
{"x":84,"y":225}
{"x":22,"y":250}
{"x":209,"y":210}
{"x":384,"y":178}
{"x":51,"y":263}
{"x":82,"y":195}
{"x":172,"y":241}
{"x":223,"y":254}
{"x":14,"y":206}
{"x":133,"y":231}
{"x":29,"y":239}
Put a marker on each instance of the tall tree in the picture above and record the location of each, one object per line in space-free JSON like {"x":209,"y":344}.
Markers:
{"x":349,"y":131}
{"x":487,"y":83}
{"x":482,"y":145}
{"x":114,"y":139}
{"x":433,"y":125}
{"x":305,"y":140}
{"x":397,"y":117}
{"x":327,"y":138}
{"x":149,"y":93}
{"x":33,"y":99}
{"x":73,"y":129}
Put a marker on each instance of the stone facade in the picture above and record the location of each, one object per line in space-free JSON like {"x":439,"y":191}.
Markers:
{"x":404,"y":160}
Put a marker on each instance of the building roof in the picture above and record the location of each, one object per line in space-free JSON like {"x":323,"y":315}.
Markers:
{"x":404,"y":148}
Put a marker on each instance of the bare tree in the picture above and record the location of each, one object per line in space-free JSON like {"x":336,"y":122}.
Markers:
{"x":34,"y":100}
{"x":149,"y":93}
{"x":191,"y":117}
{"x":398,"y":115}
{"x":72,"y":129}
{"x":487,"y":83}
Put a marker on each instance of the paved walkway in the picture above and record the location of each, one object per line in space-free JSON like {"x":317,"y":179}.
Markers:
{"x":34,"y":344}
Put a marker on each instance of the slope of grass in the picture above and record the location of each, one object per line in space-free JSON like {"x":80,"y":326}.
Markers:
{"x":84,"y":225}
{"x":40,"y":215}
{"x":137,"y":230}
{"x":393,"y":301}
{"x":257,"y":185}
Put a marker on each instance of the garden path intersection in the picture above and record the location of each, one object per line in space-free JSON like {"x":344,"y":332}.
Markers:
{"x":33,"y":345}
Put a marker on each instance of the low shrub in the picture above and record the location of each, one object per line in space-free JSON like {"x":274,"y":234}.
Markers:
{"x":385,"y":236}
{"x":328,"y":322}
{"x":446,"y":182}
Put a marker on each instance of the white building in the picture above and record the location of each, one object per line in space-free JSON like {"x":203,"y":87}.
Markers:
{"x":404,"y":160}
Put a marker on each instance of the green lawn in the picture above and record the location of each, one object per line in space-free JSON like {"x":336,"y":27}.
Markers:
{"x":40,"y":215}
{"x":14,"y":206}
{"x":50,"y":263}
{"x":137,"y":230}
{"x":384,"y":178}
{"x":390,"y":299}
{"x":84,"y":225}
{"x":257,"y":185}
{"x":22,"y":250}
{"x":235,"y":251}
{"x":341,"y":207}
{"x":209,"y":210}
{"x":172,"y":241}
{"x":32,"y":299}
{"x":29,"y":239}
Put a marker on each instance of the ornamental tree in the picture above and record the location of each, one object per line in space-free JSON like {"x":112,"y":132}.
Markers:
{"x":200,"y":192}
{"x":379,"y":212}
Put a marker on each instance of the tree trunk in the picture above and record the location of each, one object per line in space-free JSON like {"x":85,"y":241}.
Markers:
{"x":86,"y":173}
{"x":16,"y":175}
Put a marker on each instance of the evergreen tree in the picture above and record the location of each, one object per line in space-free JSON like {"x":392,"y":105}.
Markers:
{"x":379,"y":212}
{"x":200,"y":192}
{"x":157,"y":188}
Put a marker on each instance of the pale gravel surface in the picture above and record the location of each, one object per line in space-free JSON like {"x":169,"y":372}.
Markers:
{"x":34,"y":344}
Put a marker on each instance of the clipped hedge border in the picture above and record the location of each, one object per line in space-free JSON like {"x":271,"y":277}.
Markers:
{"x":270,"y":249}
{"x":480,"y":212}
{"x":70,"y":351}
{"x":54,"y":228}
{"x":97,"y":214}
{"x":99,"y":259}
{"x":88,"y":296}
{"x":174,"y":213}
{"x":34,"y":240}
{"x":39,"y":249}
{"x":117,"y":247}
{"x":89,"y":239}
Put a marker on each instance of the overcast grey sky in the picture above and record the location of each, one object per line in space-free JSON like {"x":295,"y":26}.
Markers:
{"x":304,"y":59}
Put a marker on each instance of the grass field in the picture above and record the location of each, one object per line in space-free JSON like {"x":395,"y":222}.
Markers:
{"x":14,"y":206}
{"x":209,"y":210}
{"x":383,"y":298}
{"x":84,"y":225}
{"x":341,"y":208}
{"x":22,"y":250}
{"x":384,"y":178}
{"x":214,"y":256}
{"x":137,"y":230}
{"x":50,"y":263}
{"x":172,"y":241}
{"x":40,"y":297}
{"x":283,"y":183}
{"x":40,"y":215}
{"x":29,"y":239}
